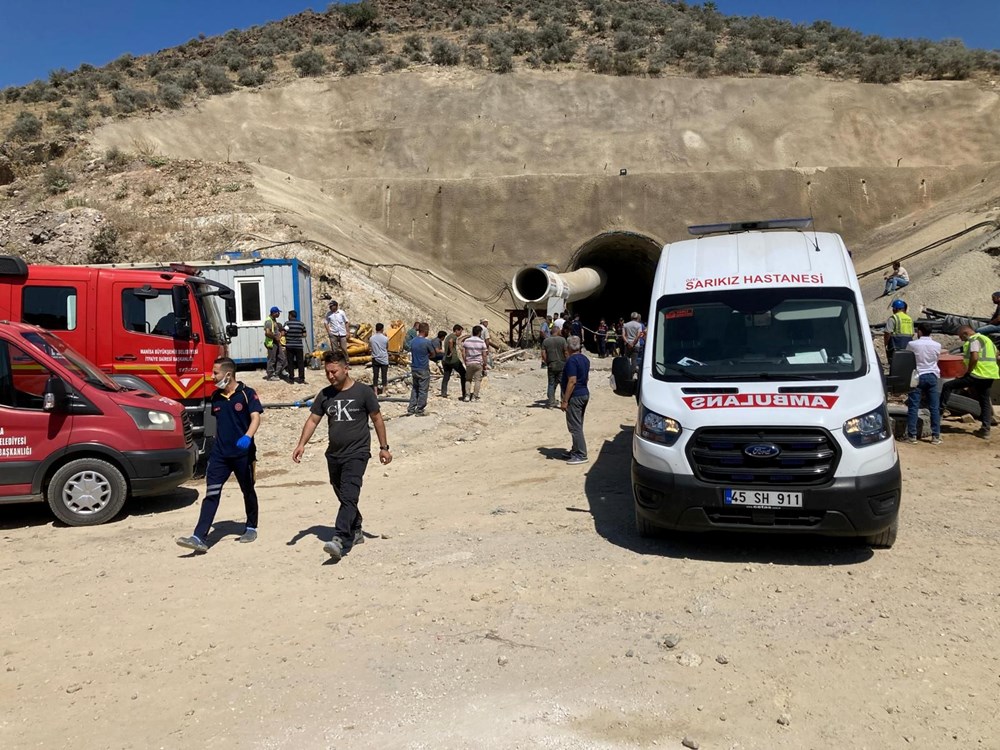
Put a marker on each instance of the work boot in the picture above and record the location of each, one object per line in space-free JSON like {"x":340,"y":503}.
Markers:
{"x":359,"y":537}
{"x":334,"y":548}
{"x":192,"y":542}
{"x":983,"y":433}
{"x":250,"y":535}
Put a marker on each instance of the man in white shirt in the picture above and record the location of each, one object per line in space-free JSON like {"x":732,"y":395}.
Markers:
{"x":559,"y":325}
{"x":927,"y":351}
{"x":895,"y":279}
{"x":337,"y":327}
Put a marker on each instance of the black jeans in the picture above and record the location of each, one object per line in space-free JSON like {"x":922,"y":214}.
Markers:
{"x":347,"y":476}
{"x":296,"y":361}
{"x":217,"y":473}
{"x":379,"y":370}
{"x":448,"y":368}
{"x":980,"y":388}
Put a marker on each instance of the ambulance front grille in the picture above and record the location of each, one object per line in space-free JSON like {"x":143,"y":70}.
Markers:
{"x":801,"y":456}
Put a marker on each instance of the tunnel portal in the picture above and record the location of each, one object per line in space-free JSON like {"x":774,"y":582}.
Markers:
{"x":628,"y":261}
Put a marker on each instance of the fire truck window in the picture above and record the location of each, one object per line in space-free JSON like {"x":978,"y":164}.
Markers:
{"x":22,"y":378}
{"x":250,"y":301}
{"x":51,"y":307}
{"x":153,"y":316}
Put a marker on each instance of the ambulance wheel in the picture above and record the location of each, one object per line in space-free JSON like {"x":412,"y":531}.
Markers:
{"x":86,"y":492}
{"x":646,"y":529}
{"x":884,"y":539}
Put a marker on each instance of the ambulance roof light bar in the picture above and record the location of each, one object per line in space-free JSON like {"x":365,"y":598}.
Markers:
{"x":748,"y":226}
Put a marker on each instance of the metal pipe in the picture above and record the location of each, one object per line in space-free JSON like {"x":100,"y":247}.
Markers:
{"x":534,"y":285}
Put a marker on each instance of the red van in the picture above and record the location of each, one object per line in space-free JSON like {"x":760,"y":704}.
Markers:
{"x":152,"y":330}
{"x":71,"y":436}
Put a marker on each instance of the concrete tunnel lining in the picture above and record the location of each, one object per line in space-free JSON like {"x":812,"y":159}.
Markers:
{"x":628,"y":261}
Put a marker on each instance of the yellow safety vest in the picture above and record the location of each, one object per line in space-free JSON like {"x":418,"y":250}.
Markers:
{"x":904,"y":324}
{"x":986,"y":366}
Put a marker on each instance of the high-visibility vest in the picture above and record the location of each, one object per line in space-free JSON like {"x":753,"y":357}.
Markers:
{"x":904,"y":324}
{"x":986,"y":366}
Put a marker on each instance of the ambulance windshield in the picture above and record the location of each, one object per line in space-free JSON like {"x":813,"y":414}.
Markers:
{"x":758,"y":334}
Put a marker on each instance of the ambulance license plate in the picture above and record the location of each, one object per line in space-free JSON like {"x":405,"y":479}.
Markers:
{"x":764,"y":498}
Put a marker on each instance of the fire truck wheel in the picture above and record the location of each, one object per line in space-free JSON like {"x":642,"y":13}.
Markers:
{"x":86,"y":492}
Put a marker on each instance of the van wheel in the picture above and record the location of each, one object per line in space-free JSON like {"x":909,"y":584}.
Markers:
{"x":86,"y":492}
{"x":646,"y":529}
{"x":884,"y":539}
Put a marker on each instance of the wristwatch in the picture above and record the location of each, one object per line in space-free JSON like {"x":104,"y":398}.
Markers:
{"x":383,"y":447}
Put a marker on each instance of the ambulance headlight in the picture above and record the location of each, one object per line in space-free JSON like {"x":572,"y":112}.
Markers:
{"x":869,"y":428}
{"x":150,"y":419}
{"x":658,"y":429}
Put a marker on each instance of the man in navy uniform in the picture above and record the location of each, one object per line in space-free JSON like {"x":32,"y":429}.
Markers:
{"x":237,"y":411}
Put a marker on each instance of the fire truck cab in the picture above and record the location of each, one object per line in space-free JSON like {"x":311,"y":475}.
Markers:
{"x":150,"y":330}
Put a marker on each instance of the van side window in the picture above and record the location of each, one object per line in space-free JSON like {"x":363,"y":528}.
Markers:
{"x":151,"y":316}
{"x":22,"y":378}
{"x":50,"y":307}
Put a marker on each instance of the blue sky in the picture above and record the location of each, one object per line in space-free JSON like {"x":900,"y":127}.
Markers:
{"x":37,"y":36}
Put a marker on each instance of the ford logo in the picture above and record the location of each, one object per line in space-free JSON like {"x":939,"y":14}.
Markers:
{"x":762,"y":450}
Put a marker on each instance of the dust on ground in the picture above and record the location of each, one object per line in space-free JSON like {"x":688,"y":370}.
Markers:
{"x":501,"y":600}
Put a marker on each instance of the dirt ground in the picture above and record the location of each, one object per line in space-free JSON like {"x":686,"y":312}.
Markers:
{"x":501,"y":600}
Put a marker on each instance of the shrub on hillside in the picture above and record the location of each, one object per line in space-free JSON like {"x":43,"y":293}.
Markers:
{"x":394,"y":63}
{"x":701,"y":66}
{"x":309,"y":63}
{"x":250,"y":76}
{"x":56,"y":179}
{"x":782,"y":65}
{"x":215,"y":79}
{"x":474,"y":56}
{"x":11,"y":94}
{"x":171,"y":95}
{"x":25,"y":127}
{"x":833,"y":64}
{"x":360,"y":16}
{"x":502,"y":60}
{"x":413,"y":47}
{"x":116,"y":160}
{"x":599,"y":59}
{"x":129,"y":100}
{"x":104,"y":246}
{"x":881,"y":69}
{"x":444,"y":52}
{"x":736,"y":60}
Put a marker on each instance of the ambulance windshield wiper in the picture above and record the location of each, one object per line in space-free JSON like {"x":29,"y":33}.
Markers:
{"x":682,"y":371}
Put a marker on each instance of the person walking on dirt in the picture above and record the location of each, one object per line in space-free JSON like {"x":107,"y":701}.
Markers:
{"x":236,"y":409}
{"x":348,"y":406}
{"x":895,"y":279}
{"x":379,"y":345}
{"x":474,"y":357}
{"x":926,"y":352}
{"x":422,"y":350}
{"x":980,"y":355}
{"x":898,"y":329}
{"x":295,"y":347}
{"x":554,"y":358}
{"x":575,"y":397}
{"x":631,"y":332}
{"x":337,"y":328}
{"x":273,"y":333}
{"x":453,"y":361}
{"x":601,"y":334}
{"x":994,"y":324}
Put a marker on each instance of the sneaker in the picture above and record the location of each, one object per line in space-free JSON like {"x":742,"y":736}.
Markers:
{"x":359,"y":537}
{"x":334,"y":548}
{"x":577,"y":460}
{"x":192,"y":542}
{"x":981,"y":433}
{"x":910,"y":439}
{"x":420,"y":413}
{"x":936,"y":440}
{"x":250,"y":535}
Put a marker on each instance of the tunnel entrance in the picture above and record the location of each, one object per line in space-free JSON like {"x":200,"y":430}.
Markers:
{"x":628,"y":261}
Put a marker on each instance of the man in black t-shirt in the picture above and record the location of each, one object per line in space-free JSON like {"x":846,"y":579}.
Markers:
{"x":348,"y":405}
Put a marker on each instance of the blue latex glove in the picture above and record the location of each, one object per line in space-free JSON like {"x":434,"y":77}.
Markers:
{"x":243,"y":443}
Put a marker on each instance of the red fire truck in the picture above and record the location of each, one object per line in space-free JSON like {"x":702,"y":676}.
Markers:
{"x":150,"y":330}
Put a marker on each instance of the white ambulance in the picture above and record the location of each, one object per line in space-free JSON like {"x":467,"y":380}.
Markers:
{"x":761,"y":402}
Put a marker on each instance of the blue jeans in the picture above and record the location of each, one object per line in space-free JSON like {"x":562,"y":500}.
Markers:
{"x":421,"y":381}
{"x":894,"y":283}
{"x":928,"y":383}
{"x":988,"y":329}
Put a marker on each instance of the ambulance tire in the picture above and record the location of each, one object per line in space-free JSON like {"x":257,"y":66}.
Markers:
{"x":647,"y":530}
{"x":884,"y":539}
{"x":71,"y":492}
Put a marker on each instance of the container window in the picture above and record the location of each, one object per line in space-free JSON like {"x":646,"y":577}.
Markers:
{"x":250,"y":301}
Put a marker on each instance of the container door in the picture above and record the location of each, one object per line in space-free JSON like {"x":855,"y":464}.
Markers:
{"x":28,"y":434}
{"x":150,"y":329}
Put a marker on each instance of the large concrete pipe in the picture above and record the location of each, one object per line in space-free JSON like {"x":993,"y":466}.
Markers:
{"x":535,"y":285}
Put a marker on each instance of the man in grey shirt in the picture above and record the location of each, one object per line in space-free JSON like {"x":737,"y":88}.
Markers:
{"x":554,"y":357}
{"x":379,"y":345}
{"x":631,"y":333}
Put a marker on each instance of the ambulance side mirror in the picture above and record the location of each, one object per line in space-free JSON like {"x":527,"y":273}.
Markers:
{"x":622,"y":382}
{"x":54,"y":398}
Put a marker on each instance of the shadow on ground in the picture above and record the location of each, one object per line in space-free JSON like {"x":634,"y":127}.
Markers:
{"x":22,"y":515}
{"x":609,"y":494}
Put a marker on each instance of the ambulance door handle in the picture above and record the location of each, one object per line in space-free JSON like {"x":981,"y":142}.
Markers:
{"x":126,"y":358}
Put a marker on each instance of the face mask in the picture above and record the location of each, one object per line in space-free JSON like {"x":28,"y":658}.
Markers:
{"x":223,"y":381}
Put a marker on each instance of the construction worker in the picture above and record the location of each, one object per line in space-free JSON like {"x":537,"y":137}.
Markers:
{"x":980,"y":355}
{"x":273,"y":333}
{"x":898,"y":329}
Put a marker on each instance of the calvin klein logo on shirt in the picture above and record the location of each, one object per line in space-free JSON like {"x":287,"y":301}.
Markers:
{"x":339,"y":410}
